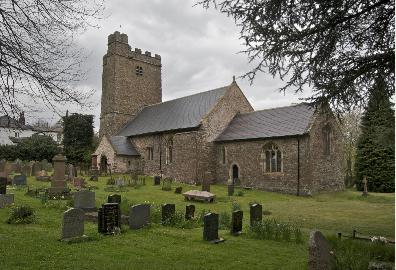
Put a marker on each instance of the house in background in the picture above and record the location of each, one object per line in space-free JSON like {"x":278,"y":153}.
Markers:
{"x":13,"y":130}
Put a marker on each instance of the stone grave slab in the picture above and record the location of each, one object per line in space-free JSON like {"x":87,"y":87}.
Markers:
{"x":199,"y":196}
{"x":190,"y":210}
{"x":72,"y":224}
{"x":19,"y":180}
{"x":236,"y":222}
{"x":256,"y":213}
{"x":168,"y":211}
{"x":109,"y":218}
{"x":211,"y":228}
{"x":85,"y":200}
{"x":114,"y":198}
{"x":319,"y":255}
{"x":139,"y":216}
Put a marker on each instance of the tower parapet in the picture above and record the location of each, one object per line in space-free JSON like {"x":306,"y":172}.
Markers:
{"x":130,"y":80}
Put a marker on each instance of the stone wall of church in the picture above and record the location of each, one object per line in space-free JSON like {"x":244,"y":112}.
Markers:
{"x":183,"y":166}
{"x":327,"y":174}
{"x":249,"y":157}
{"x":233,"y":102}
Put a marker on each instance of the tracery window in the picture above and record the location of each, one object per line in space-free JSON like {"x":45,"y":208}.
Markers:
{"x":272,"y":158}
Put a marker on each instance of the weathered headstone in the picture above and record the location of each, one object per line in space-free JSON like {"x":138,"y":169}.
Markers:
{"x":114,"y":198}
{"x":85,"y":200}
{"x":365,"y":189}
{"x":190,"y":210}
{"x":139,"y":216}
{"x":236,"y":222}
{"x":320,"y":256}
{"x":256,"y":213}
{"x":230,"y":188}
{"x":19,"y":180}
{"x":109,"y":218}
{"x":168,"y":211}
{"x":58,"y":183}
{"x":17,"y":166}
{"x":26,"y":170}
{"x":3,"y":185}
{"x":73,"y":223}
{"x":2,"y":165}
{"x":6,"y":199}
{"x":120,"y":182}
{"x":157,"y":180}
{"x":178,"y":190}
{"x":36,"y":168}
{"x":211,"y":228}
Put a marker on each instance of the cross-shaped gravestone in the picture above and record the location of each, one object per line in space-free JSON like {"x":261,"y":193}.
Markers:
{"x":73,"y":223}
{"x":211,"y":228}
{"x":236,"y":223}
{"x":190,"y":209}
{"x":256,"y":213}
{"x":139,"y":216}
{"x":168,"y":211}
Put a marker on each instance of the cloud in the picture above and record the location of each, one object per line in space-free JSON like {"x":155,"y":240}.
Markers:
{"x":199,"y":50}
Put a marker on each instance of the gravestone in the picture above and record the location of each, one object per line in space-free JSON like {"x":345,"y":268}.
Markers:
{"x":19,"y":180}
{"x":320,"y":256}
{"x":36,"y":168}
{"x":178,"y":190}
{"x":230,"y":188}
{"x":17,"y":166}
{"x":139,"y":216}
{"x":78,"y":182}
{"x":2,"y":165}
{"x":109,"y":218}
{"x":168,"y":211}
{"x":236,"y":222}
{"x":6,"y":199}
{"x":256,"y":213}
{"x":44,"y":164}
{"x":73,"y":223}
{"x":114,"y":198}
{"x":70,"y":171}
{"x":58,"y":183}
{"x":3,"y":185}
{"x":85,"y":200}
{"x":190,"y":210}
{"x":211,"y":228}
{"x":26,"y":170}
{"x":157,"y":180}
{"x":120,"y":182}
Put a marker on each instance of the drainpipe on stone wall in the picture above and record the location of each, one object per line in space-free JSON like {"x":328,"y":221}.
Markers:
{"x":298,"y":166}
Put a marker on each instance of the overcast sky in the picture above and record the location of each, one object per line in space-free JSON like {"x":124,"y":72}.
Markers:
{"x":199,"y":50}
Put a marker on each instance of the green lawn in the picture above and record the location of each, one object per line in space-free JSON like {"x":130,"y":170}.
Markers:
{"x":36,"y":246}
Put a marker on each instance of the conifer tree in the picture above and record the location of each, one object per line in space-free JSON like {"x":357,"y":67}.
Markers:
{"x":376,"y":145}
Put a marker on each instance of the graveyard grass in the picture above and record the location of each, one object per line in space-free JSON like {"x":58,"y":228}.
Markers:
{"x":36,"y":246}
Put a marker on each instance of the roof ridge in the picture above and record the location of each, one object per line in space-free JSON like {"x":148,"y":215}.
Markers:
{"x":215,"y":89}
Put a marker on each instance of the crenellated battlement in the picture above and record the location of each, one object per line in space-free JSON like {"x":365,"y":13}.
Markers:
{"x":118,"y":44}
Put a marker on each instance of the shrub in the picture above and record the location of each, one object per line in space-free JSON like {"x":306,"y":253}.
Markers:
{"x":21,"y":215}
{"x":239,"y":193}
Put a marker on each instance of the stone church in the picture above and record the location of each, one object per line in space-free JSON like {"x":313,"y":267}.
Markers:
{"x":213,"y":136}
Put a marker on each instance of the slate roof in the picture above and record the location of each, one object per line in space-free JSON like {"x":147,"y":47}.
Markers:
{"x":278,"y":122}
{"x":122,"y":146}
{"x":178,"y":114}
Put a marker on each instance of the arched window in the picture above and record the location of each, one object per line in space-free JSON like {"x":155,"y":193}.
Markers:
{"x":327,"y":140}
{"x":223,"y":157}
{"x":272,"y":158}
{"x":169,"y":152}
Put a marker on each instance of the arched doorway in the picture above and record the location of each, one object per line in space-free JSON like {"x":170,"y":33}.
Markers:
{"x":235,"y":173}
{"x":103,"y":164}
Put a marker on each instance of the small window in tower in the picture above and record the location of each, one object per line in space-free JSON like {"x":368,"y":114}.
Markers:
{"x":139,"y":71}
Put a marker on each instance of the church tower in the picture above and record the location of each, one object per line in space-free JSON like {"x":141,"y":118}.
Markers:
{"x":130,"y":81}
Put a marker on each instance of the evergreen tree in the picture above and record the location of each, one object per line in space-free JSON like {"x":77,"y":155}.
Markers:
{"x":376,"y":146}
{"x":78,"y":136}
